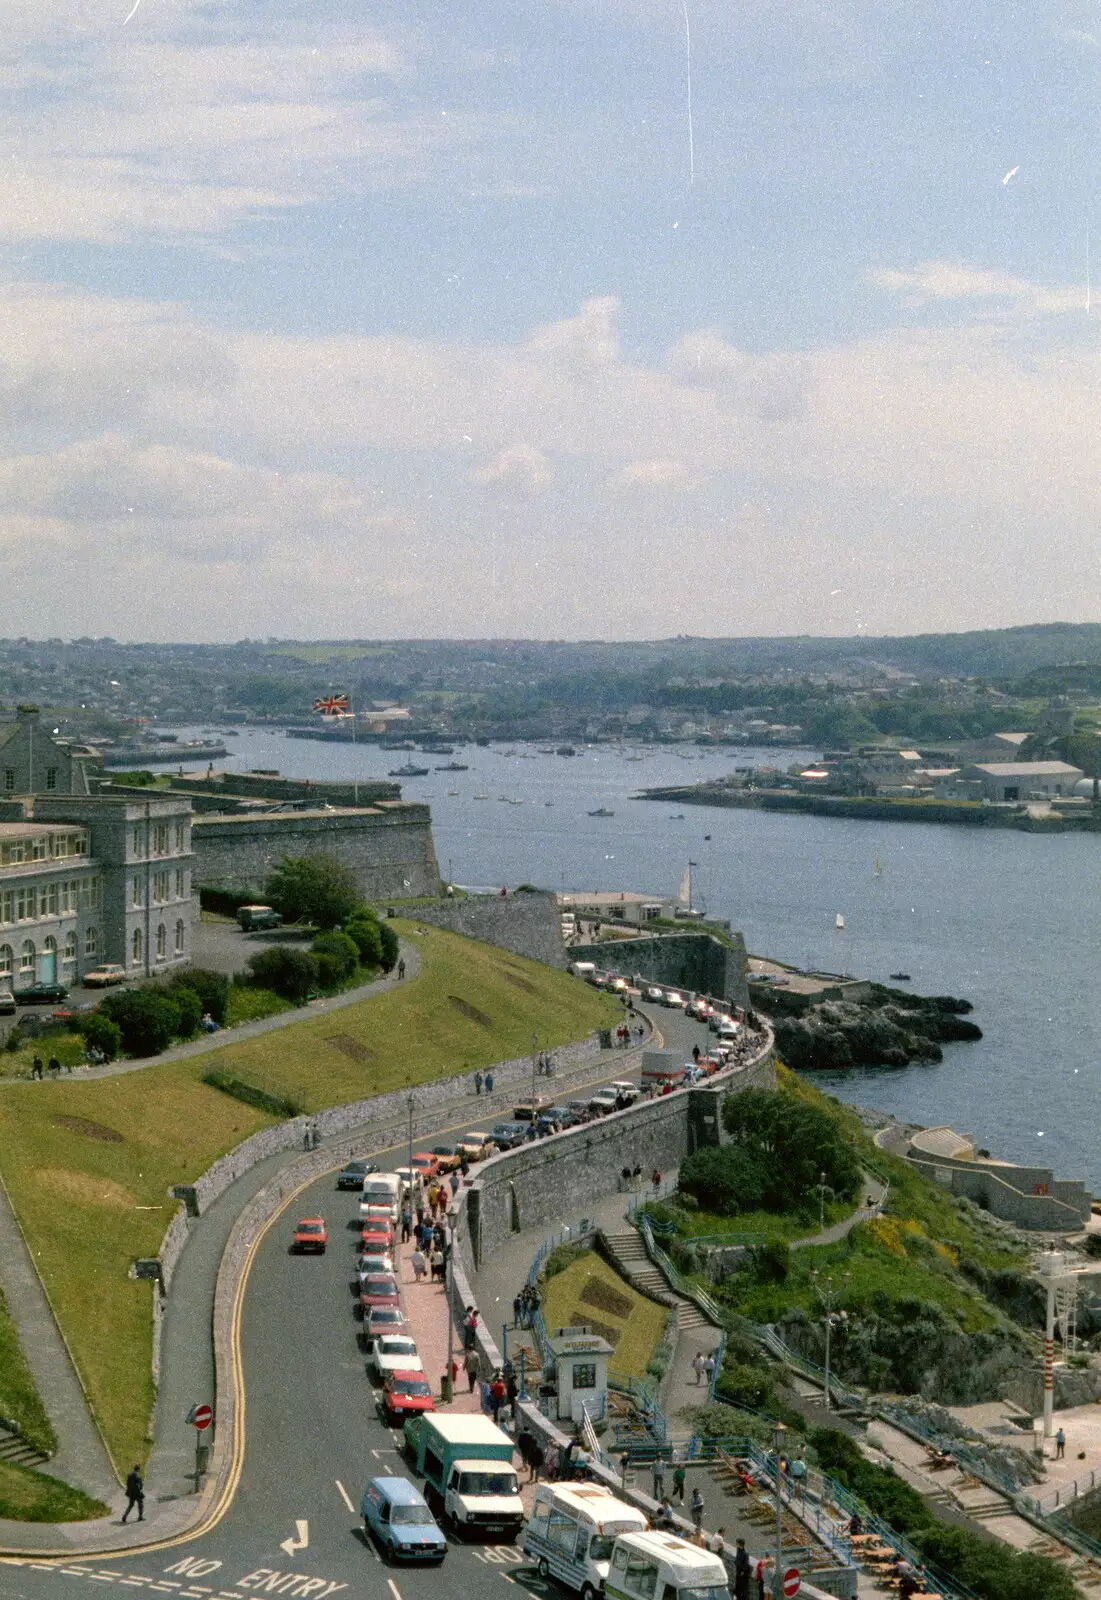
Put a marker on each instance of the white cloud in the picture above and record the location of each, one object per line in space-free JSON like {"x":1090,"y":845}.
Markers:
{"x":934,"y":281}
{"x":656,"y":474}
{"x":518,"y":467}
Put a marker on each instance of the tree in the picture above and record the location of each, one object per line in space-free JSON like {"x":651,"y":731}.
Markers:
{"x":100,"y":1033}
{"x":211,"y":987}
{"x":148,"y":1019}
{"x":337,"y":956}
{"x":190,"y":1008}
{"x":390,"y":945}
{"x":364,"y":929}
{"x":779,"y":1149}
{"x":315,"y":889}
{"x":290,"y":972}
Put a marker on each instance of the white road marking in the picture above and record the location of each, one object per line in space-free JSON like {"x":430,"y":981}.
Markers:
{"x":344,"y":1496}
{"x":303,"y":1539}
{"x":394,"y":1590}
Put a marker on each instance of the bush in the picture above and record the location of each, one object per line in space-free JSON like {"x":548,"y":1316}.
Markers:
{"x":340,"y":955}
{"x":315,"y":889}
{"x":364,"y":929}
{"x":100,"y":1033}
{"x":290,"y":972}
{"x":148,"y":1019}
{"x":390,"y":946}
{"x":211,"y":987}
{"x":252,"y":1095}
{"x":748,"y":1384}
{"x":780,"y":1147}
{"x":992,"y":1569}
{"x":190,"y":1009}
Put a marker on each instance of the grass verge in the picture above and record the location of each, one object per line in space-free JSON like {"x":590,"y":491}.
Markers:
{"x":590,"y":1291}
{"x":19,"y":1399}
{"x":27,"y":1496}
{"x":88,"y":1165}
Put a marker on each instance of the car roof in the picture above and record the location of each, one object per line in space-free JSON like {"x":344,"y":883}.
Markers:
{"x":410,"y":1373}
{"x":309,"y":1222}
{"x":399,"y":1491}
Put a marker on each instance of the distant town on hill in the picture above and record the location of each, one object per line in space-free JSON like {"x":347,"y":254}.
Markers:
{"x":1043,"y":679}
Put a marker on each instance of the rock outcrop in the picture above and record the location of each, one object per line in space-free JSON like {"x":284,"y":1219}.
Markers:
{"x":889,"y":1029}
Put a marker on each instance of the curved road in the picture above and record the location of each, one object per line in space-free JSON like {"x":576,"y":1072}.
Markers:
{"x":313,"y":1439}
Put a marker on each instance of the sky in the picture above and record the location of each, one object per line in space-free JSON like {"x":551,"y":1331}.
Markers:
{"x":586,"y":318}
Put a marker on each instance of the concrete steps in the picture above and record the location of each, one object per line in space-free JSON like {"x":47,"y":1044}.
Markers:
{"x":16,"y":1452}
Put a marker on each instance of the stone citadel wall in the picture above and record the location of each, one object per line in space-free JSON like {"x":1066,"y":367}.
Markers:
{"x":528,"y":924}
{"x":693,"y":961}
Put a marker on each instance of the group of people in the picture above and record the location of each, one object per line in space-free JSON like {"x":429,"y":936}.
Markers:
{"x":53,"y":1067}
{"x":703,"y":1365}
{"x":525,"y":1305}
{"x":483,"y":1080}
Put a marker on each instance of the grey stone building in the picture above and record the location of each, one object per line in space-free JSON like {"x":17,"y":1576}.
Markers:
{"x":32,"y":761}
{"x":86,"y":879}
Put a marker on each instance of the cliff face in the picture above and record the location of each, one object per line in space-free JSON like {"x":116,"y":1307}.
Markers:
{"x":889,"y":1029}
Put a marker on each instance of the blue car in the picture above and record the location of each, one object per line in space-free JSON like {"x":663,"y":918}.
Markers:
{"x":395,"y":1511}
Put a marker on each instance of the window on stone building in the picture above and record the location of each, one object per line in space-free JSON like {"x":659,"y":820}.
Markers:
{"x":181,"y":835}
{"x":180,"y":937}
{"x":162,"y":942}
{"x":49,"y":945}
{"x":7,"y":906}
{"x":160,"y":838}
{"x":138,"y":851}
{"x":5,"y":960}
{"x":27,"y":956}
{"x":40,"y":847}
{"x":135,"y":948}
{"x":181,"y":883}
{"x":135,"y":897}
{"x":69,"y":955}
{"x":9,"y":778}
{"x":51,"y":777}
{"x":49,"y":900}
{"x":91,"y":943}
{"x":161,"y":881}
{"x":26,"y":903}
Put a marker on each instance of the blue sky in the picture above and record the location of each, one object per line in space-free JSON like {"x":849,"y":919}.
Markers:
{"x":323,"y":321}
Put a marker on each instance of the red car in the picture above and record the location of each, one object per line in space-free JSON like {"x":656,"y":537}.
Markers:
{"x":374,"y":1240}
{"x":426,"y":1164}
{"x":311,"y":1234}
{"x":379,"y":1289}
{"x":404,"y":1394}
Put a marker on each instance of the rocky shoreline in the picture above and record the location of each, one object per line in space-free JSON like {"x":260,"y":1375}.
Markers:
{"x":887,"y":1028}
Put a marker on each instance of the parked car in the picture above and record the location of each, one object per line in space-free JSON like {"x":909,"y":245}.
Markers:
{"x":476,"y":1146}
{"x":626,"y":1093}
{"x":553,"y":1118}
{"x":580,"y":1109}
{"x":603,"y":1102}
{"x":351,"y":1175}
{"x":379,"y":1289}
{"x":102,"y":977}
{"x":405,"y":1394}
{"x":369,"y":1262}
{"x":394,"y":1352}
{"x":674,"y":998}
{"x":655,"y":995}
{"x":311,"y":1234}
{"x":381,"y":1320}
{"x":397,"y":1515}
{"x":507,"y":1135}
{"x":530,"y":1109}
{"x":253,"y":918}
{"x":7,"y":1003}
{"x":376,"y":1239}
{"x":41,"y":994}
{"x":426,"y":1164}
{"x":448,"y":1156}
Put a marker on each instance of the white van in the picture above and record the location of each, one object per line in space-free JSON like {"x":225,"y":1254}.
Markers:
{"x":571,"y":1531}
{"x":661,"y":1566}
{"x":584,"y":969}
{"x":382,"y":1188}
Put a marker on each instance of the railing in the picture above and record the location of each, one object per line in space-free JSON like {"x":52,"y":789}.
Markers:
{"x":676,"y":1279}
{"x":592,"y":1443}
{"x":1064,"y":1494}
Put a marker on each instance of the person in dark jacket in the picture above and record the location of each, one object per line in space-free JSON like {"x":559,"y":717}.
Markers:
{"x":743,"y":1571}
{"x":135,"y":1494}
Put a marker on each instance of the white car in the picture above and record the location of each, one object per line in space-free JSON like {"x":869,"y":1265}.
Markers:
{"x":654,"y":995}
{"x":674,"y":998}
{"x":373,"y":1262}
{"x":7,"y":1003}
{"x":394,"y":1352}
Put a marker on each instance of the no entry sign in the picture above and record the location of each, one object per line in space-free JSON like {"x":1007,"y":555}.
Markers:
{"x":203,"y":1416}
{"x":791,"y":1581}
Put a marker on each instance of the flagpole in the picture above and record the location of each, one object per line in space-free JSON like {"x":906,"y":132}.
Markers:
{"x":355,"y":777}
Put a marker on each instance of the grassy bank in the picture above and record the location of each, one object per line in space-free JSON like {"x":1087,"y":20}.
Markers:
{"x":590,"y":1292}
{"x":27,"y":1496}
{"x":89,"y":1164}
{"x":19,"y":1399}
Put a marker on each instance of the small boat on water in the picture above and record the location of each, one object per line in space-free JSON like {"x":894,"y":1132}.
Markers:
{"x":900,"y":977}
{"x":602,"y":811}
{"x":481,"y":797}
{"x":454,"y":766}
{"x":839,"y":921}
{"x":408,"y":771}
{"x":676,"y":816}
{"x":565,"y":750}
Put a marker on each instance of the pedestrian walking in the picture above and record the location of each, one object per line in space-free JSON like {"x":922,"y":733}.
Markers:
{"x":419,"y":1265}
{"x":401,"y":968}
{"x":657,"y":1473}
{"x":698,"y":1365}
{"x":799,"y":1475}
{"x":437,"y":1266}
{"x":53,"y":1067}
{"x":454,"y":1182}
{"x":135,"y":1493}
{"x":470,"y":1327}
{"x":678,"y":1481}
{"x":512,"y":1390}
{"x":656,"y":1180}
{"x":470,"y":1367}
{"x":695,"y":1509}
{"x":709,"y":1367}
{"x":763,"y":1575}
{"x":625,"y":1178}
{"x":489,"y":1083}
{"x":36,"y":1068}
{"x":478,"y":1080}
{"x":636,"y":1176}
{"x":498,"y":1394}
{"x":743,"y":1571}
{"x":1060,"y":1445}
{"x":518,"y":1310}
{"x":406,"y":1224}
{"x":550,"y":1461}
{"x":663,"y":1516}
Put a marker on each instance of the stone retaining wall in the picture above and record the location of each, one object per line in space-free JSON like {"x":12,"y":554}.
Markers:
{"x":390,"y":850}
{"x":988,"y":1189}
{"x":694,"y":961}
{"x":529,"y":924}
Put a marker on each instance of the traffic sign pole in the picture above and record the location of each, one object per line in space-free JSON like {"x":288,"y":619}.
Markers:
{"x":792,"y":1581}
{"x":200,"y":1418}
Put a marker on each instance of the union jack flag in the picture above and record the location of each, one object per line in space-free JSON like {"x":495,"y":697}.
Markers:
{"x":331,"y":705}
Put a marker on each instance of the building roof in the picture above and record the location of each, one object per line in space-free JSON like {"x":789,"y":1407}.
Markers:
{"x":1026,"y":769}
{"x":35,"y":830}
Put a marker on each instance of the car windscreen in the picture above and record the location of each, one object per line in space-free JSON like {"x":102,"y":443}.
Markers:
{"x":380,"y":1283}
{"x":311,"y":1227}
{"x":709,"y":1591}
{"x":397,"y":1347}
{"x":386,"y":1316}
{"x":487,"y":1483}
{"x":410,"y":1517}
{"x":411,"y":1386}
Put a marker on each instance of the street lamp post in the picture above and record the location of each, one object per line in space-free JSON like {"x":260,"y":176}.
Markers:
{"x":821,"y":1202}
{"x":409,"y":1104}
{"x":829,"y":1296}
{"x":779,"y":1434}
{"x":534,"y":1058}
{"x":447,"y":1387}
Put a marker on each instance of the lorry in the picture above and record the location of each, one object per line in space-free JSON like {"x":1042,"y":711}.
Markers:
{"x":571,"y":1531}
{"x":662,"y":1069}
{"x":466,"y":1464}
{"x":253,"y":918}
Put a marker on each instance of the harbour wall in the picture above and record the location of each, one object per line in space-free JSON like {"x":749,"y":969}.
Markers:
{"x":694,"y":961}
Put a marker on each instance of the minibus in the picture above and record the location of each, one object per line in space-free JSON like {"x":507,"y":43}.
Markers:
{"x":571,"y":1531}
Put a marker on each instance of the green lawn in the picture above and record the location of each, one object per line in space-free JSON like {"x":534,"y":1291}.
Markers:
{"x":27,"y":1496}
{"x":590,"y":1291}
{"x":19,"y":1399}
{"x":88,"y":1165}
